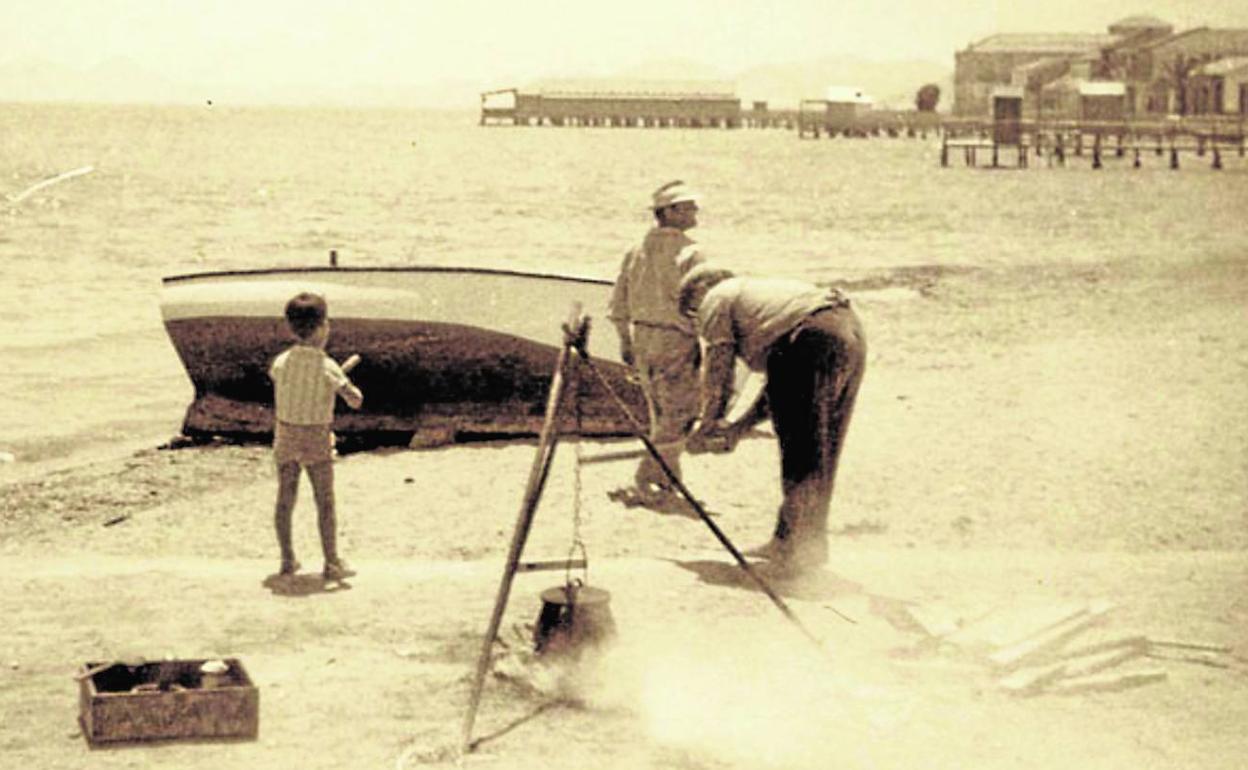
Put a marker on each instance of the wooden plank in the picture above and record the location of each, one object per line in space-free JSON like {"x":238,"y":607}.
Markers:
{"x":1108,"y":682}
{"x":1029,"y":681}
{"x":1197,"y":656}
{"x":1094,"y":664}
{"x":1013,"y":625}
{"x":937,"y":620}
{"x":1050,"y":639}
{"x":1135,"y":640}
{"x":1205,"y":647}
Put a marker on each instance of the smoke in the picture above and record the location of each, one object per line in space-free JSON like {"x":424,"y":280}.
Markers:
{"x":760,"y":699}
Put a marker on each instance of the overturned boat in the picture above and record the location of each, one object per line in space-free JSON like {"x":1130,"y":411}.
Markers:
{"x":444,"y":352}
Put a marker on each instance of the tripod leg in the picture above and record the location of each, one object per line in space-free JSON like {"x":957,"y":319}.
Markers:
{"x":546,"y":444}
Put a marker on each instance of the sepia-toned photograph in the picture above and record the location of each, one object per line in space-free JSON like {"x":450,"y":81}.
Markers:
{"x":624,"y":385}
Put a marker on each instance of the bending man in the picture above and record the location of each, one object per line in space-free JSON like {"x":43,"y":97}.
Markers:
{"x":811,"y":345}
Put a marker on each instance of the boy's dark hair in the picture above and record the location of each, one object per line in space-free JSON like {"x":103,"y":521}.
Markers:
{"x":305,"y":313}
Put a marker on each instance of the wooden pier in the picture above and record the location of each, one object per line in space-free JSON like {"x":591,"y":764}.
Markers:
{"x":656,"y":106}
{"x":641,"y":107}
{"x":997,"y":144}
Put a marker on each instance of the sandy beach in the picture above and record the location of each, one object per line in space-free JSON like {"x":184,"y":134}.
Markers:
{"x":1025,"y":436}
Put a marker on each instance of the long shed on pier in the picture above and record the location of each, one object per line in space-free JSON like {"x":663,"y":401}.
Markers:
{"x":655,"y":103}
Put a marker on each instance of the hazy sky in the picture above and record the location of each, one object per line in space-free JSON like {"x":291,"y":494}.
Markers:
{"x":342,"y":42}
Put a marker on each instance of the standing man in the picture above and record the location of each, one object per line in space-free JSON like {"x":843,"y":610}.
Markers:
{"x":657,"y":340}
{"x":811,"y":345}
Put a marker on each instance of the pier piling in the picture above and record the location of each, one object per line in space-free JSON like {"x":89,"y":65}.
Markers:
{"x":1199,"y":136}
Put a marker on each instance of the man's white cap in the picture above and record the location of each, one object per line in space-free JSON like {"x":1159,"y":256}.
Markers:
{"x":700,"y":278}
{"x":671,"y":194}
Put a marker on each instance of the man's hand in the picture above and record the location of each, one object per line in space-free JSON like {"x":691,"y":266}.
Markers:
{"x":716,"y":436}
{"x":624,"y":330}
{"x":836,"y":298}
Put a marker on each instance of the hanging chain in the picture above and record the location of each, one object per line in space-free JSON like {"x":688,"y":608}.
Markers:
{"x":578,"y":544}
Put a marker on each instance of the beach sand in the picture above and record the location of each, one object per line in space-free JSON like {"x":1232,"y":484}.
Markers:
{"x":1028,"y":436}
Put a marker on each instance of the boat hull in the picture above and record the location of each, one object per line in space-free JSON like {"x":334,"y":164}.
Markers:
{"x":445,"y":353}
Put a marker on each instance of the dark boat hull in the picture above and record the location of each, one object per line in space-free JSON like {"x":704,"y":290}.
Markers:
{"x":428,"y":379}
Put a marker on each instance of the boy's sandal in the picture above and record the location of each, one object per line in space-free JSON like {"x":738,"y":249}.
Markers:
{"x":337,"y":570}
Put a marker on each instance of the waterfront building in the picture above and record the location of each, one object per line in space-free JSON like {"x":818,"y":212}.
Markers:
{"x":1161,"y":72}
{"x":1130,"y":61}
{"x":1171,"y":62}
{"x":844,"y":106}
{"x":1221,"y":87}
{"x":990,"y":63}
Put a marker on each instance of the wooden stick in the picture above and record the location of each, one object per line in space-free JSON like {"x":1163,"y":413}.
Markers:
{"x":97,"y":668}
{"x":1104,"y":682}
{"x":1202,"y":658}
{"x":24,"y":194}
{"x":1189,"y":645}
{"x":1135,"y":641}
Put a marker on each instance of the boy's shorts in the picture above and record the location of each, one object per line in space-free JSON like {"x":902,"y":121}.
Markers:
{"x":303,"y":444}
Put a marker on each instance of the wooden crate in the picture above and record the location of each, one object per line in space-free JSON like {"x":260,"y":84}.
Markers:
{"x":166,"y":700}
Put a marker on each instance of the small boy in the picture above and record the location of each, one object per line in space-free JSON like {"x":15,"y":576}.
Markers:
{"x":305,"y":382}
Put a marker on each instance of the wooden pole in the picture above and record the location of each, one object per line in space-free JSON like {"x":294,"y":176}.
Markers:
{"x":547,"y":440}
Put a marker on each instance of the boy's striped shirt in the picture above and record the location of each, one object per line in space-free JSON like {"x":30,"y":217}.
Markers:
{"x":305,"y":382}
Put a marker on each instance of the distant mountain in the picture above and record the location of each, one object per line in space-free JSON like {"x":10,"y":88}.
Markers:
{"x":889,"y":83}
{"x":674,"y":69}
{"x":115,"y":80}
{"x":122,"y":80}
{"x":127,"y":82}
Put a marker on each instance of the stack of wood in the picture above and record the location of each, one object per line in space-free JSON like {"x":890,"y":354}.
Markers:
{"x":1051,"y":649}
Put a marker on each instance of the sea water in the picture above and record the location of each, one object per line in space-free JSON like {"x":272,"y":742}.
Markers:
{"x":84,"y":360}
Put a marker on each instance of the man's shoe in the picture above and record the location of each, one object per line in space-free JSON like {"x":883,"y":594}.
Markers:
{"x":337,"y":570}
{"x":289,"y":567}
{"x":805,"y":557}
{"x":772,"y":549}
{"x":653,"y":497}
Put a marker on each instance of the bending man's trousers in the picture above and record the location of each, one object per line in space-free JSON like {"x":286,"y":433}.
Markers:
{"x":813,"y":374}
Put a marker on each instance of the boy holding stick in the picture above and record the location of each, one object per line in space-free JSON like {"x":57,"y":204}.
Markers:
{"x":306,"y":383}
